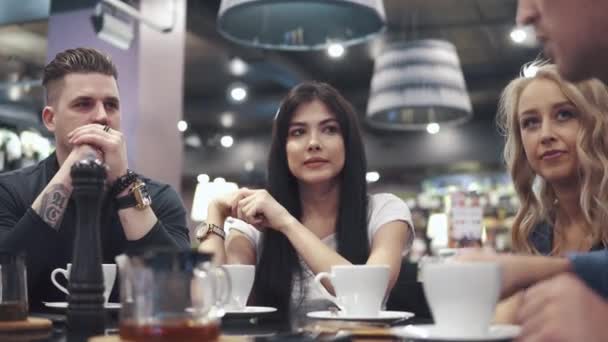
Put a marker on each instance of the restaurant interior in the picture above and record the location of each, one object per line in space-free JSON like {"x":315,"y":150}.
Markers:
{"x":442,"y":155}
{"x":231,"y":92}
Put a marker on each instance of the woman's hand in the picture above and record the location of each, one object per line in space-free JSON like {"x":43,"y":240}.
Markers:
{"x":260,"y":209}
{"x":225,"y":205}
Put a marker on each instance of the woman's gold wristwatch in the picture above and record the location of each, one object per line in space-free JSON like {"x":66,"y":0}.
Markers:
{"x":205,"y":229}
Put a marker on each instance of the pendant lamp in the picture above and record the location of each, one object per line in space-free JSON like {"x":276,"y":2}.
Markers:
{"x":416,"y":83}
{"x":299,"y":24}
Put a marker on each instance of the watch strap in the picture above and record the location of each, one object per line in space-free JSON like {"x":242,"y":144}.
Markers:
{"x":205,"y":229}
{"x":126,"y":201}
{"x":138,"y":197}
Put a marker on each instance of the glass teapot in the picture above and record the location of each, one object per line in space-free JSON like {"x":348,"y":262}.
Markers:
{"x":171,"y":295}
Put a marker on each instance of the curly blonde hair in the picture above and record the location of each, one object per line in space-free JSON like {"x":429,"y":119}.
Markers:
{"x":590,"y":97}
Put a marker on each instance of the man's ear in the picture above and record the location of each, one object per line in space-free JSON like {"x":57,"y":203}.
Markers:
{"x":48,"y":118}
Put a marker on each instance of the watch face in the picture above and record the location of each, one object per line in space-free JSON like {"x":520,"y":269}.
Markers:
{"x":201,"y":232}
{"x":145,"y":196}
{"x":141,"y":195}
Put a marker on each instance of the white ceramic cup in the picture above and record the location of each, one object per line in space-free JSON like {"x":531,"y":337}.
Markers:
{"x":109,"y":276}
{"x":241,"y":279}
{"x":462,"y":295}
{"x":359,"y":289}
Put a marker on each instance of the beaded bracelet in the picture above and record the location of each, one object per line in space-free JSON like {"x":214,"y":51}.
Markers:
{"x":123,"y":182}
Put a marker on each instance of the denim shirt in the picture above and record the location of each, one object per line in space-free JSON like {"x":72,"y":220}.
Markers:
{"x":591,"y":267}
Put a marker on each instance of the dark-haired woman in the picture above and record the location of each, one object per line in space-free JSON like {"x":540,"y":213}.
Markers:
{"x":316,"y":212}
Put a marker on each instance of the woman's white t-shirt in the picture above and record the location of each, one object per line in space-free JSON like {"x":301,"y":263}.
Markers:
{"x":383,"y":208}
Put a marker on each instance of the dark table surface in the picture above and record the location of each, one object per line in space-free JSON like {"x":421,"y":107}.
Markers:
{"x":258,"y":329}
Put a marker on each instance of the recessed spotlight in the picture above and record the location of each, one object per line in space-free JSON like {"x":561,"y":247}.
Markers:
{"x":237,"y":92}
{"x":14,"y":93}
{"x":524,"y":35}
{"x":518,"y":35}
{"x":372,"y":177}
{"x":238,"y":67}
{"x":249,"y":166}
{"x":193,"y":140}
{"x":335,"y":50}
{"x":227,"y":141}
{"x":227,"y":119}
{"x":432,"y":128}
{"x":182,"y":125}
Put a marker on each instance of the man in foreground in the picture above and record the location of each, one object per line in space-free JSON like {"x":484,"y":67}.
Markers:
{"x":37,"y":214}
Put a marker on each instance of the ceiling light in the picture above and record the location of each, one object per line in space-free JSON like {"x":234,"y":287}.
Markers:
{"x":13,"y":87}
{"x":14,"y":93}
{"x":237,"y":92}
{"x":530,"y":70}
{"x":433,"y":128}
{"x":27,"y":86}
{"x":335,"y":50}
{"x":227,"y":119}
{"x":372,"y":177}
{"x":193,"y":140}
{"x":226,"y":141}
{"x":524,"y":35}
{"x":300,"y":24}
{"x":238,"y":67}
{"x":518,"y":35}
{"x":416,"y":83}
{"x":249,"y":166}
{"x":182,"y":125}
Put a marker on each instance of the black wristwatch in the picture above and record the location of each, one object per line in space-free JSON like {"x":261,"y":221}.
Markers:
{"x":137,"y":197}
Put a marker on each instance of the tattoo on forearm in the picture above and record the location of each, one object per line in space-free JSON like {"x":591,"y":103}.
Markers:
{"x":53,"y":205}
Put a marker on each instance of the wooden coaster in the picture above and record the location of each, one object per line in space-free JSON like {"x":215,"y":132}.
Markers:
{"x":110,"y":338}
{"x":30,"y":324}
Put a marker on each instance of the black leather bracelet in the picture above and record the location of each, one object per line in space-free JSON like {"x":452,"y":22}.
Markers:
{"x":123,"y":182}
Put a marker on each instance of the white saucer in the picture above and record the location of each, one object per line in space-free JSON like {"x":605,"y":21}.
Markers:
{"x":64,"y":305}
{"x":384,"y":316}
{"x":249,"y":311}
{"x":432,"y":332}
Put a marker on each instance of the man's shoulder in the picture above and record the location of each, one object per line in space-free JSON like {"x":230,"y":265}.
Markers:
{"x":156,"y":187}
{"x":23,"y":185}
{"x":163,"y":195}
{"x":25,"y":174}
{"x":153,"y":183}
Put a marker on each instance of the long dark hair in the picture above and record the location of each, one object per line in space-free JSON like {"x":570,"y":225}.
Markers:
{"x":279,"y":260}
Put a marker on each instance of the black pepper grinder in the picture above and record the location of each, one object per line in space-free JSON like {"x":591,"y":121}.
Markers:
{"x":86,"y":313}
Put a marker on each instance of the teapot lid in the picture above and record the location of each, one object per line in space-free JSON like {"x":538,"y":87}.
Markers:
{"x":172,"y":259}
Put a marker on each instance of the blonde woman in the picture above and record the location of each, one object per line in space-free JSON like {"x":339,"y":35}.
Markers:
{"x":557,"y":154}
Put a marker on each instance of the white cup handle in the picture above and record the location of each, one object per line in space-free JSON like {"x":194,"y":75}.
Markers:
{"x":324,"y":291}
{"x":65,"y":274}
